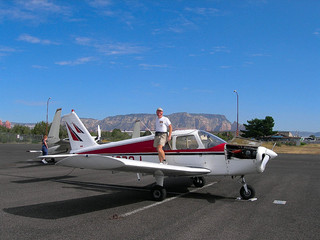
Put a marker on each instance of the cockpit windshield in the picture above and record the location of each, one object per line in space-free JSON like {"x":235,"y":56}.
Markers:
{"x":209,"y":140}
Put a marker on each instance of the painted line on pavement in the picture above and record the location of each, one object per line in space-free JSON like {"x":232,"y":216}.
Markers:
{"x":164,"y":201}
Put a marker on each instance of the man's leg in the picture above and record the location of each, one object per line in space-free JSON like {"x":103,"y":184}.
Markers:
{"x":160,"y":153}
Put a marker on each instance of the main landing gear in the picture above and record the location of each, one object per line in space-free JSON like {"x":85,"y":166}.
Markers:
{"x":198,"y":181}
{"x":247,"y":191}
{"x":158,"y":192}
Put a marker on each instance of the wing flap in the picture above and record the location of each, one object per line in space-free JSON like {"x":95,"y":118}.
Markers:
{"x":93,"y":161}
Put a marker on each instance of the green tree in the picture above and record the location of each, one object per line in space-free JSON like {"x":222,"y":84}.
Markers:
{"x":40,"y":128}
{"x":19,"y":129}
{"x":4,"y":129}
{"x":146,"y":133}
{"x":227,"y":136}
{"x":117,"y":135}
{"x":63,"y":132}
{"x":313,"y":137}
{"x":258,"y":128}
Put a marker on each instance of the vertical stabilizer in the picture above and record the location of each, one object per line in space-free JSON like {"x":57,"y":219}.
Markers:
{"x":53,"y":136}
{"x":136,"y":129}
{"x":79,"y":136}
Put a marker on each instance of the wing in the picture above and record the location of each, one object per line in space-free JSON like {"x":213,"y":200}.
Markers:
{"x":94,"y":161}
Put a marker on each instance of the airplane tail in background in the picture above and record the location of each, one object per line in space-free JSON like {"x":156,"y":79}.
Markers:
{"x":79,"y":136}
{"x":53,"y":136}
{"x":136,"y":129}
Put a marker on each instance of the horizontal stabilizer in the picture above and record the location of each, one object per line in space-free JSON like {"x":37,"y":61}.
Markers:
{"x":57,"y":156}
{"x":34,"y":151}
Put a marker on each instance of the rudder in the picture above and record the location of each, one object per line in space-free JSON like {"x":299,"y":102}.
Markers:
{"x":79,"y":136}
{"x":53,"y":136}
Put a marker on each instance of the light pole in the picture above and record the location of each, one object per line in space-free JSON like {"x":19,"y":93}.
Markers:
{"x":47,"y":115}
{"x":237,"y":133}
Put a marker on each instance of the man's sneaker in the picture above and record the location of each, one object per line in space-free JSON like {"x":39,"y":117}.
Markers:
{"x":164,"y":161}
{"x":44,"y":161}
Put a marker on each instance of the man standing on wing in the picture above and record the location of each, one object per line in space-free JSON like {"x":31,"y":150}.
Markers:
{"x":161,"y":137}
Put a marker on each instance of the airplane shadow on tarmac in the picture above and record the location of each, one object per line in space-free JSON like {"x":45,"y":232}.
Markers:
{"x":115,"y":196}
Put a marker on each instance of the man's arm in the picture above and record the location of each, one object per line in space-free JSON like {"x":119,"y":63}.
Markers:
{"x":170,"y":132}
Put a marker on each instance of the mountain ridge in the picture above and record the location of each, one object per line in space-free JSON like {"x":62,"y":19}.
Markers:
{"x":180,"y":120}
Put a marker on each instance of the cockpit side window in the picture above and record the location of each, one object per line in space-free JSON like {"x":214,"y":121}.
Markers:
{"x":186,"y":142}
{"x":209,"y":140}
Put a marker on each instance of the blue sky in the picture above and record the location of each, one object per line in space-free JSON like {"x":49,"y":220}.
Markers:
{"x":111,"y":57}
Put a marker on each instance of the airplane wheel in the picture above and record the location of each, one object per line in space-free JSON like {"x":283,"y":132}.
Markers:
{"x":199,"y":181}
{"x":247,"y":195}
{"x":159,"y":193}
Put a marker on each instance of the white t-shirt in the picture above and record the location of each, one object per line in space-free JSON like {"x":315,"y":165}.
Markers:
{"x":162,"y":124}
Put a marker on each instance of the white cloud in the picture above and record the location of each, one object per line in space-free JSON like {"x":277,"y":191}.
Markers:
{"x":83,"y":40}
{"x":220,"y":49}
{"x":181,"y":25}
{"x":78,"y":61}
{"x":259,"y":55}
{"x":16,"y":14}
{"x":30,"y":103}
{"x":154,"y":84}
{"x":34,"y":10}
{"x":39,"y":67}
{"x":148,"y":66}
{"x":41,"y":5}
{"x":203,"y":91}
{"x":31,"y":39}
{"x":119,"y":48}
{"x":99,"y":3}
{"x":111,"y":48}
{"x":4,"y":51}
{"x":203,"y":11}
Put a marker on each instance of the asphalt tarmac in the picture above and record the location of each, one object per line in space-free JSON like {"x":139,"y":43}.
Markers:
{"x":49,"y":202}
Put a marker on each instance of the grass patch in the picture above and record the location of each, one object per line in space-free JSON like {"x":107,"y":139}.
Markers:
{"x":303,"y":149}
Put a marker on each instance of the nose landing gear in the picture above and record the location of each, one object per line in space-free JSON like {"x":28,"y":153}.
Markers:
{"x":247,"y":191}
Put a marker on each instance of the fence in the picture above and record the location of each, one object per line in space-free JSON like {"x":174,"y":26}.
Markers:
{"x":19,"y":138}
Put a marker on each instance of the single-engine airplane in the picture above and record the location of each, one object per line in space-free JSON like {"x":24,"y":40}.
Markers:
{"x":193,"y":153}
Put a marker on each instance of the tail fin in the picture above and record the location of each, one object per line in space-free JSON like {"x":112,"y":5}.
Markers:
{"x":53,"y":136}
{"x":136,"y":129}
{"x":79,"y":136}
{"x":98,"y":138}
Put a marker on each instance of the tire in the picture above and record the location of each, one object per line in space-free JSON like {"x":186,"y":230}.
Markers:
{"x":199,"y":182}
{"x":247,"y":195}
{"x":159,"y":193}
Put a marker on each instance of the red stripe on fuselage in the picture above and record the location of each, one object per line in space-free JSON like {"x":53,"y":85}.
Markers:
{"x":139,"y":147}
{"x":147,"y":147}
